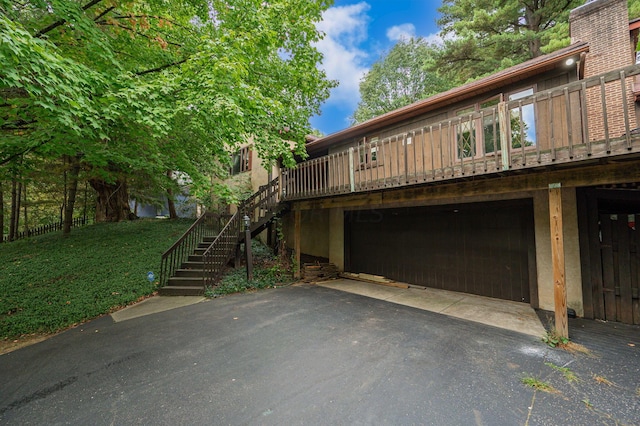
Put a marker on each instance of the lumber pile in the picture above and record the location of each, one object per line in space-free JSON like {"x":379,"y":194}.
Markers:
{"x":312,"y":272}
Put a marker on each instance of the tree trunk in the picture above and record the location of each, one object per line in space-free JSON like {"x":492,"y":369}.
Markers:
{"x":1,"y":214}
{"x":74,"y":171}
{"x":172,"y":205}
{"x":24,"y":208}
{"x":18,"y":206}
{"x":534,"y":20}
{"x":12,"y":217}
{"x":112,"y":204}
{"x":63,"y":207}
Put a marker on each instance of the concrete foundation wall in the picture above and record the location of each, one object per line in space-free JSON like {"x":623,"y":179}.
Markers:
{"x":336,"y":237}
{"x":573,"y":275}
{"x":314,"y":228}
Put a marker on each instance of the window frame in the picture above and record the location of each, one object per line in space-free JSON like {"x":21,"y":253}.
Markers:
{"x":533,"y":88}
{"x":241,"y":161}
{"x":477,"y":127}
{"x":368,"y":157}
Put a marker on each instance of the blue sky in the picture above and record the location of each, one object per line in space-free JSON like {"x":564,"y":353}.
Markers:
{"x":357,"y":34}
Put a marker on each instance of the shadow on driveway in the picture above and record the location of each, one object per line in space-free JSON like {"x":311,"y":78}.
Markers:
{"x":312,"y":355}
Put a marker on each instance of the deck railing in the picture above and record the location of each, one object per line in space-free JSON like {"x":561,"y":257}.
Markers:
{"x":207,"y":225}
{"x":586,"y":119}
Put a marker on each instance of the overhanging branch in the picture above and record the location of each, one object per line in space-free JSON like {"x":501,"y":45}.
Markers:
{"x":63,"y":21}
{"x":22,"y":152}
{"x":162,"y":67}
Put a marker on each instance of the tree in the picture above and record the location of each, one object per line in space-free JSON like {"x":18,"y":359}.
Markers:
{"x":398,"y":79}
{"x":482,"y":36}
{"x":133,"y":89}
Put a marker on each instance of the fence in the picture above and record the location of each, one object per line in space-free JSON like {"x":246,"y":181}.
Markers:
{"x":45,"y":229}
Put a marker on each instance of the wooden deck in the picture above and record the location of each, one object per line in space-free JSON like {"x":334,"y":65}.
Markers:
{"x":570,"y":125}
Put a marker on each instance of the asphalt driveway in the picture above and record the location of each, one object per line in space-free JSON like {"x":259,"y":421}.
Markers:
{"x":313,"y":355}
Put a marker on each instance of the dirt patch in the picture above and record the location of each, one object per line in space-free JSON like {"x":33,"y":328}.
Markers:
{"x":10,"y":345}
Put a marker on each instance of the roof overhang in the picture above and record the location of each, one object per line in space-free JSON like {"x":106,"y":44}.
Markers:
{"x":500,"y":79}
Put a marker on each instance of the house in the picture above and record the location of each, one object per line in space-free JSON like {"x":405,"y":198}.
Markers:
{"x":523,"y":185}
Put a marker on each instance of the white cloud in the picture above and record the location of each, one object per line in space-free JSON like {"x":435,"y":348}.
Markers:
{"x":401,"y":32}
{"x":437,"y":39}
{"x":345,"y":28}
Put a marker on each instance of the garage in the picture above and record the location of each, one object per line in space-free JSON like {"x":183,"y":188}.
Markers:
{"x":486,"y":249}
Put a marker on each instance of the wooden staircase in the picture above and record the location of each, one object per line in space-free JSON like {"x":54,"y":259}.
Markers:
{"x":188,"y":280}
{"x":198,"y":258}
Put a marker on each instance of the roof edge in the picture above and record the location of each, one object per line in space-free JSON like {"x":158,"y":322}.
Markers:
{"x":434,"y":101}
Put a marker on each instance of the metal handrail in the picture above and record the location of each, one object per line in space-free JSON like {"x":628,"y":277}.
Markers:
{"x":179,"y":252}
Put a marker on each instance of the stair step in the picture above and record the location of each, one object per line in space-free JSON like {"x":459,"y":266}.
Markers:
{"x":189,"y":273}
{"x":186,"y":281}
{"x":192,"y":265}
{"x":170,"y":290}
{"x":195,"y":258}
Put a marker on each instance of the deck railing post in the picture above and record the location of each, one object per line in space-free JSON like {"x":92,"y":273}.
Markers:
{"x":352,"y":177}
{"x":503,"y":113}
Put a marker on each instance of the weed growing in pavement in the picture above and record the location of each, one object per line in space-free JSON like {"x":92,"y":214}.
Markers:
{"x":537,"y":384}
{"x":568,"y":374}
{"x":553,"y":339}
{"x":602,"y":380}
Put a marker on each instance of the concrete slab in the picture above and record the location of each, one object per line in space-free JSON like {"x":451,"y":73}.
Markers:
{"x":427,"y":299}
{"x":154,"y":305}
{"x":505,"y":314}
{"x":498,"y":313}
{"x":377,"y":291}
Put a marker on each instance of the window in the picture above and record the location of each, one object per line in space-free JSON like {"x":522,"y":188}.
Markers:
{"x":522,"y":120}
{"x":369,"y":153}
{"x":491,"y":126}
{"x":466,"y":133}
{"x":476,"y":133}
{"x":241,"y":161}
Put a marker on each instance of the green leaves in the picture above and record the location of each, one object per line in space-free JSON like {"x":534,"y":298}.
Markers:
{"x":145,"y":87}
{"x":400,"y":78}
{"x":479,"y":34}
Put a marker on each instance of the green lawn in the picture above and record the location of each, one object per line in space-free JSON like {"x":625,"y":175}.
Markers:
{"x":49,"y":283}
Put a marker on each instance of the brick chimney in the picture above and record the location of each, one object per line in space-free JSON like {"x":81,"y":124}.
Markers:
{"x":604,"y":24}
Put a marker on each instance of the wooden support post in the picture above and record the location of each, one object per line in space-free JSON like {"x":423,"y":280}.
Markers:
{"x":247,"y":252}
{"x":557,"y":256}
{"x":236,"y":259}
{"x":352,"y":177}
{"x":296,"y":244}
{"x":503,"y":120}
{"x":247,"y":246}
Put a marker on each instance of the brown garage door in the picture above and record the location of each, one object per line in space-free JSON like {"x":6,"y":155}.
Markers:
{"x":482,"y":249}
